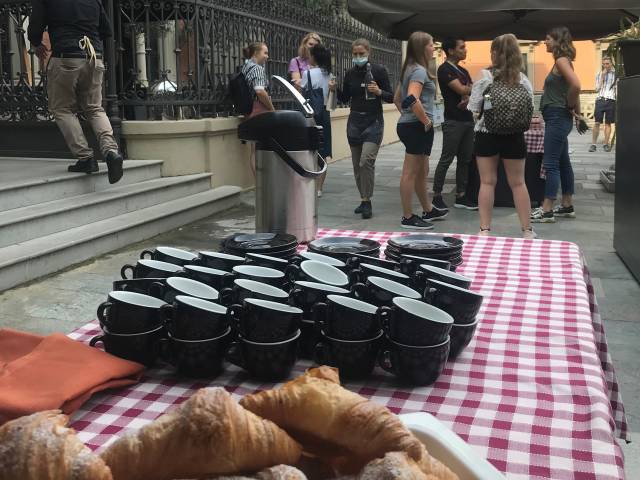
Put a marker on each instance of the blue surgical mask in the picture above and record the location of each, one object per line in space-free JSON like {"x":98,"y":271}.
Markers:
{"x":360,"y":61}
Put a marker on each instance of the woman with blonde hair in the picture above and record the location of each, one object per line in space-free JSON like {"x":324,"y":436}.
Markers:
{"x":490,"y":148}
{"x":560,"y":105}
{"x":300,"y":64}
{"x":414,"y":98}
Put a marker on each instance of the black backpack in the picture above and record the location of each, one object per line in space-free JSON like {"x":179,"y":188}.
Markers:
{"x":511,"y":108}
{"x":241,"y":93}
{"x":315,"y":96}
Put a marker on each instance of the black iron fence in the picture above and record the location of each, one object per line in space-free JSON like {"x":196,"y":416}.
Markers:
{"x":173,"y":58}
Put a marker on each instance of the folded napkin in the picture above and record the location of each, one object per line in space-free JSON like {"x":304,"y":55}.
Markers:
{"x":55,"y":372}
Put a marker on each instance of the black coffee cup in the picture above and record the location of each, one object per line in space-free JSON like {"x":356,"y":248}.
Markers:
{"x":414,"y":322}
{"x":191,"y":318}
{"x":355,"y":359}
{"x":410,"y":263}
{"x":264,"y":321}
{"x":307,"y":255}
{"x":197,"y":358}
{"x":429,"y":272}
{"x":412,"y":365}
{"x":266,"y":361}
{"x":213,"y":277}
{"x":461,"y":336}
{"x":136,"y":285}
{"x":356,"y":259}
{"x":381,"y":291}
{"x":142,"y":347}
{"x":170,"y":288}
{"x":129,"y":312}
{"x":462,"y":304}
{"x":314,"y":271}
{"x":170,"y":255}
{"x":309,"y":338}
{"x":218,"y":260}
{"x":261,"y":274}
{"x":243,"y":289}
{"x":260,"y":260}
{"x":150,"y":269}
{"x":305,"y":294}
{"x":366,"y":270}
{"x":346,"y":318}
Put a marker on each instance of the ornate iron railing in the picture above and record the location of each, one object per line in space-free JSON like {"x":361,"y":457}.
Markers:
{"x":173,"y":58}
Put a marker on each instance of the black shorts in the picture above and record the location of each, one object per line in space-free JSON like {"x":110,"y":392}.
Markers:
{"x":605,"y":110}
{"x":511,"y":147}
{"x":416,"y":140}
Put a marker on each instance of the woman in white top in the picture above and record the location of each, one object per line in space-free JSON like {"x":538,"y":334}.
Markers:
{"x":489,"y":148}
{"x":321,"y":78}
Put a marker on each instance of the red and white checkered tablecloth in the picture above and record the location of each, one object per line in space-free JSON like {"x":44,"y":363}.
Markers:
{"x":534,"y":138}
{"x":535,"y":392}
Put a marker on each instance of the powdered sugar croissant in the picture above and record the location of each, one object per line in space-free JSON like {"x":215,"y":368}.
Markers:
{"x":208,"y":435}
{"x":41,"y":447}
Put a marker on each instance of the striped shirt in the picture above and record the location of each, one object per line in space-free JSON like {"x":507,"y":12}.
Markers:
{"x":255,"y":75}
{"x":606,"y":85}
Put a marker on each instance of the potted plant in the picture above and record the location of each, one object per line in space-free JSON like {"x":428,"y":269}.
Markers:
{"x":625,"y":48}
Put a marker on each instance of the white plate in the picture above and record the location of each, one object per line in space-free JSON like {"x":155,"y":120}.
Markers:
{"x":449,"y":448}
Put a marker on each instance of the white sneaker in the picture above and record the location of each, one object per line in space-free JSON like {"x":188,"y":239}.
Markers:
{"x":319,"y":193}
{"x":529,"y":234}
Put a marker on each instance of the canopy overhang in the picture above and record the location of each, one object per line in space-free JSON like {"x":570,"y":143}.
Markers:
{"x":486,"y":19}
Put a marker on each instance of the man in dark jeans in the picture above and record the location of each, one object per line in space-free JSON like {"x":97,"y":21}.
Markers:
{"x":75,"y":71}
{"x":457,"y":129}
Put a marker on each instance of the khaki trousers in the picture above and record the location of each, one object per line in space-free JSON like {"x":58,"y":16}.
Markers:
{"x":74,"y":86}
{"x":364,"y":167}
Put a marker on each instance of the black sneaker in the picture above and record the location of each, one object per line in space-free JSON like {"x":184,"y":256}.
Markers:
{"x":592,"y":148}
{"x":438,"y":203}
{"x":359,"y":208}
{"x":114,"y":166}
{"x":606,"y":147}
{"x":564,"y":212}
{"x":434,"y":214}
{"x":540,"y":216}
{"x":88,"y":165}
{"x":367,"y":212}
{"x":414,"y":222}
{"x":464,"y":202}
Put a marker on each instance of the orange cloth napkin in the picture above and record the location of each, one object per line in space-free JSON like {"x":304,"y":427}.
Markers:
{"x":41,"y":373}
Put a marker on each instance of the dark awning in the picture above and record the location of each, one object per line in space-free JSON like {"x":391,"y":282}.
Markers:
{"x":486,"y":19}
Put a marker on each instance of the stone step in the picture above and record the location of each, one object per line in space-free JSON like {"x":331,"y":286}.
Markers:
{"x":29,"y":181}
{"x":22,"y":262}
{"x":26,"y":223}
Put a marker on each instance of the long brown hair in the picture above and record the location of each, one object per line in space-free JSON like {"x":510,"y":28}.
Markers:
{"x":415,"y":52}
{"x":507,"y":57}
{"x":564,"y":43}
{"x":303,"y":51}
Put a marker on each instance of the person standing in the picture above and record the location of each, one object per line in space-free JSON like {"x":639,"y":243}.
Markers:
{"x":319,"y":77}
{"x":300,"y":64}
{"x":365,"y":86}
{"x":415,"y":101}
{"x":605,"y":110}
{"x":490,"y":148}
{"x":457,"y":129}
{"x":560,"y":106}
{"x":75,"y":71}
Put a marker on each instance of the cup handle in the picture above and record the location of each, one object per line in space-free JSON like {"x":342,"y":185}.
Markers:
{"x":355,"y":276}
{"x":384,"y":360}
{"x":234,"y":356}
{"x":405,"y":266}
{"x":164,"y":350}
{"x":383,"y":314}
{"x":146,"y":252}
{"x":359,"y":290}
{"x":296,"y":260}
{"x":319,"y":313}
{"x":292,"y":272}
{"x":104,"y":306}
{"x":156,"y":289}
{"x":96,"y":339}
{"x":226,"y":296}
{"x":168,"y":311}
{"x":294,"y":296}
{"x":123,"y":271}
{"x":320,"y":354}
{"x":429,"y":293}
{"x":233,"y":313}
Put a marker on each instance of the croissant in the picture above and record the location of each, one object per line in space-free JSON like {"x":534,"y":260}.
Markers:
{"x":315,"y":409}
{"x":208,"y":435}
{"x":41,"y":447}
{"x":279,"y":472}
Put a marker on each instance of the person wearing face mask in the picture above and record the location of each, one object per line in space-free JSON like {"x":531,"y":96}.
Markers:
{"x":365,"y":126}
{"x":300,"y":64}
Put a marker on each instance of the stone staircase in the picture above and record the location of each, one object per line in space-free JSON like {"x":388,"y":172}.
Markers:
{"x":51,"y":219}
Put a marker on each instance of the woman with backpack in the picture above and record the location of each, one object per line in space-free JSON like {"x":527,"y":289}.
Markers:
{"x":560,"y":105}
{"x":317,"y":82}
{"x":502,"y":103}
{"x":300,"y":64}
{"x":415,"y":100}
{"x":256,"y":55}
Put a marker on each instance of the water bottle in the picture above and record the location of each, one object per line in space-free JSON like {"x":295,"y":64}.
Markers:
{"x":368,"y":78}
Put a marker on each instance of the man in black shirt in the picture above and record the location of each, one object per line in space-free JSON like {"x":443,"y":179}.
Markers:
{"x":77,"y":29}
{"x":457,"y":129}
